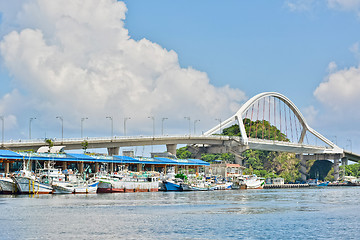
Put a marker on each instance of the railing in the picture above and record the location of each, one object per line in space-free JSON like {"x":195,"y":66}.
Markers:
{"x":21,"y":141}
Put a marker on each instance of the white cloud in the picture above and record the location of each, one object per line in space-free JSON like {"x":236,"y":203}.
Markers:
{"x":299,"y":5}
{"x":345,"y":5}
{"x":75,"y":58}
{"x":340,"y":89}
{"x":310,"y":114}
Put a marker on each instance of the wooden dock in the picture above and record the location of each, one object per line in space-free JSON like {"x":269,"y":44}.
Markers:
{"x":268,"y":186}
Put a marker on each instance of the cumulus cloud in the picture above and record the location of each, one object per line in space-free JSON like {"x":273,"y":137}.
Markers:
{"x":310,"y":114}
{"x":340,"y":88}
{"x":76,"y":58}
{"x":345,"y":5}
{"x":299,"y":5}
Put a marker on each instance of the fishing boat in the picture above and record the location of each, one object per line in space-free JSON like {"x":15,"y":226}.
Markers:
{"x":7,"y":185}
{"x":198,"y":185}
{"x":317,"y":183}
{"x":27,"y":182}
{"x":173,"y":185}
{"x":86,"y":187}
{"x":253,"y":181}
{"x":110,"y":185}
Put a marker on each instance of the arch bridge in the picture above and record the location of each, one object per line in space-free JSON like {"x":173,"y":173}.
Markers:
{"x":268,"y":121}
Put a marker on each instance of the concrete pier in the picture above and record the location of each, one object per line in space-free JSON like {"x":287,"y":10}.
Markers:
{"x":268,"y":186}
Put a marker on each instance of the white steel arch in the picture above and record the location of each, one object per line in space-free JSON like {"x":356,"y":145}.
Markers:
{"x":238,"y":116}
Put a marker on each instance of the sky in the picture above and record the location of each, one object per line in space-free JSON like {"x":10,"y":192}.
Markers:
{"x":174,"y":59}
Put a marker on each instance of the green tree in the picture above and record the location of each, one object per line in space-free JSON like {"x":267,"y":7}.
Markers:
{"x":50,"y":143}
{"x":183,"y":153}
{"x":85,"y":145}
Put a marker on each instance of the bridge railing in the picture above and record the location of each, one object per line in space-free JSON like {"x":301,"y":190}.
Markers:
{"x":42,"y":140}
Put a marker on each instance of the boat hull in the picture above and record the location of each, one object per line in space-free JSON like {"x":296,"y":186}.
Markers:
{"x":169,"y":186}
{"x":27,"y":185}
{"x":8,"y":186}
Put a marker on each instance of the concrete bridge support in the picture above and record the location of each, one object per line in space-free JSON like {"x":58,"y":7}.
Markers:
{"x":336,"y":169}
{"x":171,"y":148}
{"x":344,"y":162}
{"x":302,"y":167}
{"x":113,"y":151}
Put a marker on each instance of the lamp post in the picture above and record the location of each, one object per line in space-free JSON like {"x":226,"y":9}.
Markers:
{"x":197,"y":120}
{"x":30,"y":120}
{"x":219,"y":119}
{"x":335,"y":139}
{"x":152,"y":117}
{"x":125,"y":119}
{"x":82,"y":123}
{"x":162,"y":125}
{"x":2,"y":130}
{"x":62,"y":127}
{"x":188,"y":118}
{"x":112,"y":126}
{"x":350,"y":142}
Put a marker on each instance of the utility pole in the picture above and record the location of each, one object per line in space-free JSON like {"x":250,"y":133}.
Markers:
{"x":82,"y":122}
{"x":30,"y":120}
{"x":125,"y":119}
{"x":197,"y":120}
{"x":2,"y":130}
{"x":188,"y":118}
{"x":62,"y":127}
{"x":162,"y":125}
{"x":112,"y":126}
{"x":219,"y":119}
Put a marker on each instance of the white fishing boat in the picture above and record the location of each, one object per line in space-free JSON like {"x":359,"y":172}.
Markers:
{"x":63,"y":187}
{"x":198,"y":186}
{"x":7,"y":185}
{"x":85,"y":187}
{"x":27,"y":182}
{"x":253,"y":181}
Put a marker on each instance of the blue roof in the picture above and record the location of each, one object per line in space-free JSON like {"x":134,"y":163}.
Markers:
{"x":200,"y":162}
{"x":165,"y":160}
{"x":9,"y":154}
{"x":80,"y":156}
{"x":125,"y":158}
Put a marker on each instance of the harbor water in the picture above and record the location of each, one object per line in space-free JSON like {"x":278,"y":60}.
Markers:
{"x":312,"y":213}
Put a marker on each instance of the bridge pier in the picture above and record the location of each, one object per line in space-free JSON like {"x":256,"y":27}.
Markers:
{"x":302,"y":167}
{"x":336,"y":169}
{"x":344,"y":162}
{"x":113,"y":151}
{"x":171,"y":148}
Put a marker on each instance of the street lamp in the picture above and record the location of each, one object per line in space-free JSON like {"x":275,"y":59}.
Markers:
{"x":112,"y":126}
{"x":125,"y":119}
{"x":162,"y":125}
{"x":197,"y":120}
{"x":82,"y":123}
{"x":219,"y":119}
{"x":350,"y":142}
{"x":152,"y":117}
{"x":2,"y":130}
{"x":188,"y":118}
{"x":62,"y":127}
{"x":30,"y":120}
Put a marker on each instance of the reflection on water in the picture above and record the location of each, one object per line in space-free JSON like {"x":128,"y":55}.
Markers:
{"x":330,"y":213}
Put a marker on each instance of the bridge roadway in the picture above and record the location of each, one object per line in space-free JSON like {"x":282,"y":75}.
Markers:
{"x":214,"y":140}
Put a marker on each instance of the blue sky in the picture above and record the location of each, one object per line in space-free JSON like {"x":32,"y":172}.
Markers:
{"x":291,"y":47}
